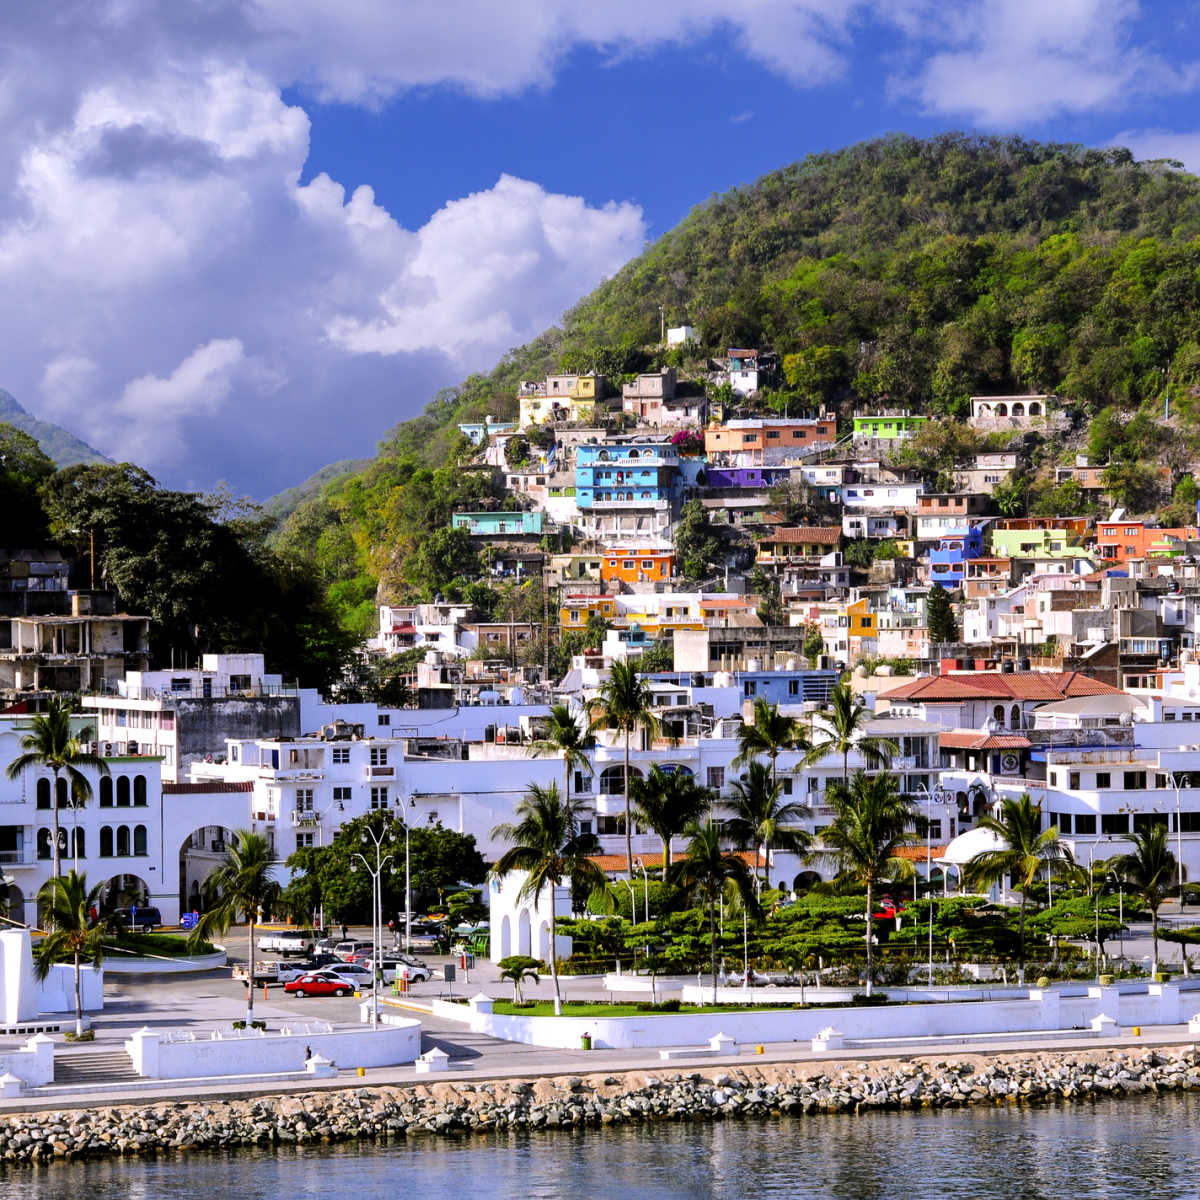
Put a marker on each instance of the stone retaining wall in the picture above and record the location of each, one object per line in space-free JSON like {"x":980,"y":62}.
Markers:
{"x":733,"y":1090}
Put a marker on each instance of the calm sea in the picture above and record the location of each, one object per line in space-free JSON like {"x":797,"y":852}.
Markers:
{"x":1129,"y":1149}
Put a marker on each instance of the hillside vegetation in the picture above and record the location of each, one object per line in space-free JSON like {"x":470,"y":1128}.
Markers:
{"x":900,"y":271}
{"x":63,"y":448}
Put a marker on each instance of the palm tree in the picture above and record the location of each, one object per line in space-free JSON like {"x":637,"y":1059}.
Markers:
{"x":1026,"y":849}
{"x":241,"y":884}
{"x":566,"y":736}
{"x":73,"y":932}
{"x":517,"y":968}
{"x":668,"y":802}
{"x":547,"y":844}
{"x":708,"y":873}
{"x":761,"y":817}
{"x":771,"y":733}
{"x":870,"y":824}
{"x":1152,"y":870}
{"x":847,"y":719}
{"x":50,"y":743}
{"x":625,"y":704}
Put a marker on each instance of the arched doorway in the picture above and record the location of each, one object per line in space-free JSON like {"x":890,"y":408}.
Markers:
{"x":523,"y":934}
{"x":123,"y":891}
{"x":805,"y":880}
{"x":202,"y":851}
{"x":544,"y":941}
{"x":12,"y":902}
{"x":505,"y":937}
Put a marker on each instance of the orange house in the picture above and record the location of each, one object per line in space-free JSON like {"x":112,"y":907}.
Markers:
{"x":1117,"y":541}
{"x":637,"y":566}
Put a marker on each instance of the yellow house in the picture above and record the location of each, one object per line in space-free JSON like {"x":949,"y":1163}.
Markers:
{"x":559,"y":398}
{"x":847,"y":628}
{"x":576,"y":610}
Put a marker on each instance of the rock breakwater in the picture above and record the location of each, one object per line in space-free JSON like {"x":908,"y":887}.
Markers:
{"x":732,"y":1090}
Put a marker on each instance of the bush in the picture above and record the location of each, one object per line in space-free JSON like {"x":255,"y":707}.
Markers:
{"x":874,"y":1000}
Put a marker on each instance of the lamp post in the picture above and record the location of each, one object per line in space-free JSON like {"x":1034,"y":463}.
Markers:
{"x":412,"y":807}
{"x":1178,"y":782}
{"x":1095,"y":905}
{"x":381,"y":860}
{"x":928,"y":868}
{"x":641,"y":866}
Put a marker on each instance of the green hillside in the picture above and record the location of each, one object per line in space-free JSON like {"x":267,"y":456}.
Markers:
{"x":283,"y":504}
{"x":899,"y":271}
{"x":64,"y":448}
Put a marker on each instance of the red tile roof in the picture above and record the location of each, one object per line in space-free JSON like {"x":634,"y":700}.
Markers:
{"x":610,"y":863}
{"x":828,"y":535}
{"x":972,"y":739}
{"x":204,"y":789}
{"x":983,"y":685}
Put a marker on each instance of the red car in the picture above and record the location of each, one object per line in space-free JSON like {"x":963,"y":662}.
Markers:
{"x":317,"y":983}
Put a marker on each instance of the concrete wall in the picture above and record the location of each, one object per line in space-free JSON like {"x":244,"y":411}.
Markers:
{"x":33,"y":1063}
{"x":203,"y":725}
{"x":242,"y":1052}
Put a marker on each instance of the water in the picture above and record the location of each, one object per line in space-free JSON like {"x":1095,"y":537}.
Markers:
{"x":1130,"y":1149}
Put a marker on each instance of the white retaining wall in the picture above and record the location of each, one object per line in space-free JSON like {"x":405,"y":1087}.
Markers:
{"x":1041,"y":1012}
{"x":243,"y":1052}
{"x":33,"y":1064}
{"x":118,"y":964}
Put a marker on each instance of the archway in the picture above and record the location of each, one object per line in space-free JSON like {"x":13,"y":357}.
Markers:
{"x":123,"y":890}
{"x":1035,"y":409}
{"x":523,"y":934}
{"x":805,"y":880}
{"x":1018,"y":410}
{"x":1014,"y":717}
{"x":544,"y":941}
{"x":612,"y":779}
{"x":202,"y":851}
{"x":1002,"y":410}
{"x":505,"y":937}
{"x":12,"y":902}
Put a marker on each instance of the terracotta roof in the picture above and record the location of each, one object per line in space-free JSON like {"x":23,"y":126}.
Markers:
{"x":917,"y":853}
{"x":609,"y":863}
{"x":971,"y":739}
{"x":204,"y":789}
{"x":824,"y":534}
{"x":1020,"y":685}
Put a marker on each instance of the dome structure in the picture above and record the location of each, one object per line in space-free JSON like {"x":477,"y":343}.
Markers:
{"x":969,"y":845}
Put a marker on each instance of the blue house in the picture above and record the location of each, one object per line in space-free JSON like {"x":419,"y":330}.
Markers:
{"x":615,"y":475}
{"x":947,"y":560}
{"x":499,"y":524}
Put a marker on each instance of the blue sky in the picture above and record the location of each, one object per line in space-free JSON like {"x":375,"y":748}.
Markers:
{"x":241,"y":238}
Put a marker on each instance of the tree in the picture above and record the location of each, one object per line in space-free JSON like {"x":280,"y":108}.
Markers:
{"x":847,"y":719}
{"x":242,"y":884}
{"x":74,"y":933}
{"x":440,"y":558}
{"x":51,"y":744}
{"x":870,"y":824}
{"x":566,"y":736}
{"x":661,"y":655}
{"x":518,"y":968}
{"x":814,"y":643}
{"x":1024,"y":850}
{"x":668,"y":802}
{"x":708,"y":873}
{"x":770,"y":733}
{"x":1009,"y":495}
{"x":626,"y":705}
{"x":761,"y":818}
{"x":698,"y":545}
{"x":1151,"y":870}
{"x":23,"y":470}
{"x":546,"y":843}
{"x":943,"y":628}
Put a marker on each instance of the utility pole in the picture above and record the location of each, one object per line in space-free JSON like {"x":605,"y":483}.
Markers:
{"x":662,"y":324}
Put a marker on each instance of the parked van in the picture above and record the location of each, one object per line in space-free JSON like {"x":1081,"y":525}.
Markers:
{"x":138,"y":919}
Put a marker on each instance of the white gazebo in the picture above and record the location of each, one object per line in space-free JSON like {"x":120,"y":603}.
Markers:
{"x":963,"y":849}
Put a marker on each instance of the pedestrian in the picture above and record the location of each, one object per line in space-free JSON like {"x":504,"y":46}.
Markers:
{"x":345,"y":931}
{"x":307,"y":1053}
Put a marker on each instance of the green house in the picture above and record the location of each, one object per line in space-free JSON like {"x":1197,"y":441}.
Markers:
{"x":890,"y":427}
{"x":498,"y":524}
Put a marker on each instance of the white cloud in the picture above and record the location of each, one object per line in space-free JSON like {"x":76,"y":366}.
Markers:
{"x":1008,"y":62}
{"x":1162,"y":143}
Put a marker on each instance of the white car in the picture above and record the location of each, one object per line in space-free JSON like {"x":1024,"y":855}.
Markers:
{"x":391,"y":965}
{"x":353,"y":973}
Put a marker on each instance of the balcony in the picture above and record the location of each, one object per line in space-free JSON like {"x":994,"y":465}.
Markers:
{"x":17,"y":858}
{"x":303,"y":819}
{"x":592,"y":502}
{"x":381,"y":772}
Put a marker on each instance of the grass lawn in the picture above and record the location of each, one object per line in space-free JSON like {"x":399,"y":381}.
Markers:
{"x":165,"y":945}
{"x":545,"y":1008}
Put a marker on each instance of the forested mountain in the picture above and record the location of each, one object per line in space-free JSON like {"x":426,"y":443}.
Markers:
{"x":899,"y":271}
{"x":63,"y":448}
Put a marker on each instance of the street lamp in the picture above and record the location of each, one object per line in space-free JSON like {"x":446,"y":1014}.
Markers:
{"x":928,"y":868}
{"x":1178,"y":782}
{"x":412,"y":807}
{"x":381,"y":861}
{"x":641,"y":866}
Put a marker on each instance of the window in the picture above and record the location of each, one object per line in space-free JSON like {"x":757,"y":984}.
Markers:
{"x":715,"y":778}
{"x":43,"y":792}
{"x":1085,"y":823}
{"x":773,"y":435}
{"x":1103,"y":779}
{"x":139,"y":791}
{"x":1073,"y":781}
{"x":341,"y":754}
{"x":793,"y":687}
{"x":122,"y":841}
{"x":379,"y":756}
{"x":45,"y":843}
{"x":123,"y":792}
{"x":80,"y":847}
{"x":786,"y":784}
{"x":106,"y":793}
{"x":304,"y":800}
{"x":1143,"y":822}
{"x":341,"y":795}
{"x":1135,"y":781}
{"x":385,"y":718}
{"x":305,"y":839}
{"x":239,"y":683}
{"x":935,"y":831}
{"x":750,"y":689}
{"x":60,"y":791}
{"x":379,"y":797}
{"x":139,"y":840}
{"x":1114,"y":823}
{"x":1063,"y":821}
{"x":106,"y":842}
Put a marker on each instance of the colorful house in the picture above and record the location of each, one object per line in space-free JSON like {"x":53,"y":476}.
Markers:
{"x":756,"y":441}
{"x":576,"y":609}
{"x":948,"y":560}
{"x":637,"y":566}
{"x":499,"y":524}
{"x":887,"y":426}
{"x":1119,"y":541}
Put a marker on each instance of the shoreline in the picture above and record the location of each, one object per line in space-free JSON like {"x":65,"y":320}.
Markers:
{"x":731,"y":1089}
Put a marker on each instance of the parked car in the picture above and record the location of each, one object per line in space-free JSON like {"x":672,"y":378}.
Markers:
{"x":288,"y":941}
{"x":353,"y":973}
{"x":390,"y":966}
{"x":319,"y":983}
{"x":138,"y":918}
{"x":347,"y":950}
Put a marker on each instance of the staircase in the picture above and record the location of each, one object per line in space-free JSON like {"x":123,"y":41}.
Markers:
{"x":86,"y":1068}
